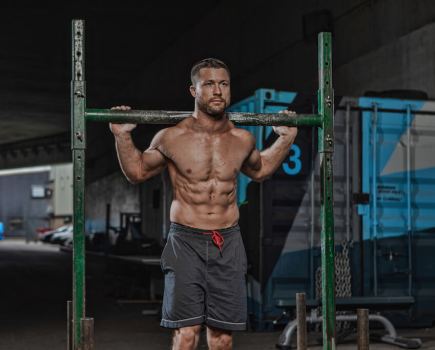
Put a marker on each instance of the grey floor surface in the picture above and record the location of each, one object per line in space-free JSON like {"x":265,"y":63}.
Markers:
{"x":36,"y":282}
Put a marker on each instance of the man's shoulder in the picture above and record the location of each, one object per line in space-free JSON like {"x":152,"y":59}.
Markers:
{"x":184,"y":126}
{"x":243,"y":135}
{"x":172,"y":131}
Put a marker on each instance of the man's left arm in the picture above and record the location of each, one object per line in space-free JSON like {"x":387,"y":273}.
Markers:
{"x":261,"y":165}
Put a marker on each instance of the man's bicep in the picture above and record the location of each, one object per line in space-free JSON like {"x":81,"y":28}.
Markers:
{"x":252,"y":163}
{"x":153,"y":160}
{"x":152,"y":163}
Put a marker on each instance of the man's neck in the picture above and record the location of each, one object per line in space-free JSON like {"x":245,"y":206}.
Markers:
{"x":208,"y":123}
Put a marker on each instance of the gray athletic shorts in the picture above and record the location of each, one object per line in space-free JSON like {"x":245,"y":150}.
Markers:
{"x":204,"y":278}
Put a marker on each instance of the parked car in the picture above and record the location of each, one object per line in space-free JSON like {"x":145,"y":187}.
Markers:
{"x":41,"y":231}
{"x":63,"y":237}
{"x":47,"y":236}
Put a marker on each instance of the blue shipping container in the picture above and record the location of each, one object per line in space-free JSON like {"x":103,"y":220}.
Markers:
{"x":391,"y":234}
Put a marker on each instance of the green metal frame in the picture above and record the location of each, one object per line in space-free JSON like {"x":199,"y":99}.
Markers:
{"x":326,"y":150}
{"x":78,"y":145}
{"x":324,"y":120}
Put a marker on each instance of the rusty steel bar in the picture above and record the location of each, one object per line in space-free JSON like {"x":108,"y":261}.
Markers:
{"x":301,"y":315}
{"x":88,"y":334}
{"x":363,"y":329}
{"x":173,"y":117}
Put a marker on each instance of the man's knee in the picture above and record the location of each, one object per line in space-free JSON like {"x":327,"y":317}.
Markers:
{"x":219,"y":339}
{"x":186,"y":337}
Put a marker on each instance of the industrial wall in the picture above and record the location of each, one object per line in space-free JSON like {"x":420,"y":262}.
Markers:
{"x":151,"y":199}
{"x":156,"y":198}
{"x":402,"y":64}
{"x":20,"y":213}
{"x":115,"y":190}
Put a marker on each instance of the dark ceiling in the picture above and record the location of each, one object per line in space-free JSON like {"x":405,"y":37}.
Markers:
{"x":121,"y":40}
{"x":140,"y":53}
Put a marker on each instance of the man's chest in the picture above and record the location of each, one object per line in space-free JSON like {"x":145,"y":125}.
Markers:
{"x":204,"y":157}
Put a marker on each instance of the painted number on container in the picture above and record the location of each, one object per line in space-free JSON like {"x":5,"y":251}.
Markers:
{"x":293,"y":165}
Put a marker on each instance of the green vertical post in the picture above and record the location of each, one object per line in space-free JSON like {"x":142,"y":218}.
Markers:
{"x":78,"y":145}
{"x":326,"y":150}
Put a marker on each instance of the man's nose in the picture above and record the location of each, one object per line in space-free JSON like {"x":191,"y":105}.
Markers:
{"x":217,"y":90}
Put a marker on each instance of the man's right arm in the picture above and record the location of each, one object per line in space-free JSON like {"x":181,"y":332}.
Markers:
{"x":136,"y":166}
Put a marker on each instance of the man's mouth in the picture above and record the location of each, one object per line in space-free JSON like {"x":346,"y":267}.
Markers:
{"x":217,"y":101}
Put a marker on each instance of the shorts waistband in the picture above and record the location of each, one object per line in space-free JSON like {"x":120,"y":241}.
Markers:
{"x":193,"y":230}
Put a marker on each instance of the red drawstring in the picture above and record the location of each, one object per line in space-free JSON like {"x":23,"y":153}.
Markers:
{"x":217,"y":239}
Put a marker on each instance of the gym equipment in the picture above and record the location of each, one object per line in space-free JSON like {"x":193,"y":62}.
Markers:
{"x":80,"y":114}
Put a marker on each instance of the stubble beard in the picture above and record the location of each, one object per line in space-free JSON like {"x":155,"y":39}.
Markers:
{"x":214,"y":112}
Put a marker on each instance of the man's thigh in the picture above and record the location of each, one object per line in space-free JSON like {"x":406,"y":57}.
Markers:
{"x":183,"y":299}
{"x":226,"y":299}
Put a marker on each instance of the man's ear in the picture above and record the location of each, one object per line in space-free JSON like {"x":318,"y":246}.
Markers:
{"x":192,"y":90}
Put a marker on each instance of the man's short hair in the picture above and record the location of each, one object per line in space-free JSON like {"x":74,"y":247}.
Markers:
{"x":207,"y":63}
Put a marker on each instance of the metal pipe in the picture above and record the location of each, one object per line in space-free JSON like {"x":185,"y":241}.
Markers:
{"x":326,"y":150}
{"x":409,"y":196}
{"x":88,"y":334}
{"x":374,"y":196}
{"x":347,"y":171}
{"x":173,"y":117}
{"x":301,"y":314}
{"x":363,"y":329}
{"x":78,"y":145}
{"x":69,"y":325}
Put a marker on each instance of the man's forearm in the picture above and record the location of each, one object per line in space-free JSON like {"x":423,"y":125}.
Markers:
{"x":272,"y":157}
{"x":128,"y":155}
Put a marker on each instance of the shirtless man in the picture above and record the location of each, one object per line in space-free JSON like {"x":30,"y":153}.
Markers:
{"x":204,"y":260}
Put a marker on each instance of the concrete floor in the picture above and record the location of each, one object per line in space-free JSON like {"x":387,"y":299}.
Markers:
{"x":36,"y":282}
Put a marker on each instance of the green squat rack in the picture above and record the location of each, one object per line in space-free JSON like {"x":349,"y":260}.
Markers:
{"x":80,"y":327}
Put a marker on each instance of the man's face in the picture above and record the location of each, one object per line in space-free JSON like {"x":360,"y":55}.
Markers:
{"x":212,"y":91}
